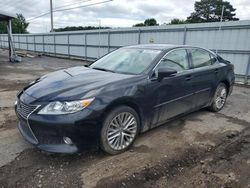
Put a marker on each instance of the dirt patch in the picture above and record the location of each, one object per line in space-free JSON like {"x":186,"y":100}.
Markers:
{"x":8,"y":98}
{"x":7,"y":85}
{"x":40,"y":169}
{"x":8,"y":118}
{"x":226,"y":165}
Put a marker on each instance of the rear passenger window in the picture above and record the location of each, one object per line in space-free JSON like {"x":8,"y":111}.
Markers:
{"x":200,"y":58}
{"x":176,"y":60}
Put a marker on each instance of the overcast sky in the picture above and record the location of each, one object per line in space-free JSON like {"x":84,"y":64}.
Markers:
{"x":117,"y":13}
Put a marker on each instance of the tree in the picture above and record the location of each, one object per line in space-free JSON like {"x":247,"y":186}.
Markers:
{"x":210,"y":11}
{"x":150,"y":22}
{"x":78,"y":28}
{"x":19,"y":25}
{"x":147,"y":22}
{"x":177,"y":21}
{"x":139,"y":25}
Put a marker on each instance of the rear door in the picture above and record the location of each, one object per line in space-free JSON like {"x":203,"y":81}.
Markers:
{"x":204,"y":76}
{"x":172,"y":95}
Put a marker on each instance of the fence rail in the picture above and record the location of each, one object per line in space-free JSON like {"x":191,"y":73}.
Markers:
{"x":230,"y":39}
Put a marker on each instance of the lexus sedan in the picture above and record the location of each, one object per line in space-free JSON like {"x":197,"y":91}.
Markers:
{"x":127,"y":92}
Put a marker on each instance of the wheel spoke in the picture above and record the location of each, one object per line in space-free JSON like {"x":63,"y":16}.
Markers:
{"x":131,"y":122}
{"x":127,"y":135}
{"x":113,"y":123}
{"x":114,"y":136}
{"x":116,"y":143}
{"x":122,"y":140}
{"x":127,"y":120}
{"x":113,"y":140}
{"x":112,"y":132}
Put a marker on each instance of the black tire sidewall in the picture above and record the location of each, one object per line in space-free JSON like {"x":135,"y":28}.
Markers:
{"x":105,"y":124}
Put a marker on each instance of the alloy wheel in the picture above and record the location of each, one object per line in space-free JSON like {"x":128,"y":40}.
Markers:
{"x":221,"y":97}
{"x":121,"y":131}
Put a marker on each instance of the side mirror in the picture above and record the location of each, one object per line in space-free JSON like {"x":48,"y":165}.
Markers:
{"x":165,"y":72}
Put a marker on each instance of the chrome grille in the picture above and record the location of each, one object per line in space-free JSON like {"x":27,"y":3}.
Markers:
{"x":25,"y":110}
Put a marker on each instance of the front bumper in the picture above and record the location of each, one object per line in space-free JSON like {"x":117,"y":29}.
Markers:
{"x":47,"y":131}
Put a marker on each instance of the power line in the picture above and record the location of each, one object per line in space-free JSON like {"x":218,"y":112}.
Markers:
{"x":66,"y":5}
{"x":48,"y":12}
{"x":59,"y":10}
{"x":66,"y":9}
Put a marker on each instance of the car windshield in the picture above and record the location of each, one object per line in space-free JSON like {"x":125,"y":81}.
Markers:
{"x":127,"y":60}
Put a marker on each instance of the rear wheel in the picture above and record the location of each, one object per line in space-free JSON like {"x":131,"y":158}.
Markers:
{"x":219,"y":99}
{"x":119,"y":130}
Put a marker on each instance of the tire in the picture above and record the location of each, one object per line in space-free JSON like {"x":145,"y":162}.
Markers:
{"x":119,"y":130}
{"x":219,"y":99}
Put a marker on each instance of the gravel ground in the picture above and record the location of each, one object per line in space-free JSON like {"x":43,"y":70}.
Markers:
{"x":202,"y":149}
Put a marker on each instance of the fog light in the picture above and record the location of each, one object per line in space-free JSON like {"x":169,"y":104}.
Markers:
{"x":67,"y":140}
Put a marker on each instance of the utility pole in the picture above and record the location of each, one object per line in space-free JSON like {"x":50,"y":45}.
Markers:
{"x":51,"y":16}
{"x":221,"y":19}
{"x":9,"y":40}
{"x":222,"y":13}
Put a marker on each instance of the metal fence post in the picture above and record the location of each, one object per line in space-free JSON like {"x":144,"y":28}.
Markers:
{"x":184,"y":35}
{"x":139,"y":36}
{"x":86,"y":51}
{"x":27,"y":43}
{"x":247,"y":71}
{"x":68,"y":46}
{"x":1,"y":41}
{"x":43,"y":45}
{"x":19,"y":47}
{"x":108,"y":41}
{"x":54,"y":36}
{"x":34,"y":43}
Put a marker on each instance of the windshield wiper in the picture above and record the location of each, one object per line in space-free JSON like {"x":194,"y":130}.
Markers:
{"x":102,"y":69}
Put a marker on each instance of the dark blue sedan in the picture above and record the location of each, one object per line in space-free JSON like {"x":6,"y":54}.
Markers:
{"x":126,"y":92}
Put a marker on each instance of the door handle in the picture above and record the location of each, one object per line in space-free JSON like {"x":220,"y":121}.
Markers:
{"x":188,"y":77}
{"x":216,"y":71}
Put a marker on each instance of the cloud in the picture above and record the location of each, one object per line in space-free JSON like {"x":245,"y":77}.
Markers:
{"x":118,"y":13}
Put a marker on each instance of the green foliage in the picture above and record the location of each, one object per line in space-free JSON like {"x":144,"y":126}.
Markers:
{"x":78,"y":28}
{"x":210,"y":11}
{"x":19,"y":25}
{"x":147,"y":22}
{"x":139,"y":25}
{"x":150,"y":22}
{"x":178,"y":21}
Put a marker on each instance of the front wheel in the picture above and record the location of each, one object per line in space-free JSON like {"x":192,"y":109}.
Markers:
{"x":119,"y":130}
{"x":219,"y":99}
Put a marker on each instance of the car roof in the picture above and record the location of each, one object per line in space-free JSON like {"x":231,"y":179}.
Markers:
{"x":160,"y":46}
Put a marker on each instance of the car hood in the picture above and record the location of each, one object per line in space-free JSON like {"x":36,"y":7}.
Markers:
{"x":71,"y":84}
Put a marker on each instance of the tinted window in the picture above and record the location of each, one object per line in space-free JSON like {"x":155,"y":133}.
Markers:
{"x":176,"y":60}
{"x":200,"y":58}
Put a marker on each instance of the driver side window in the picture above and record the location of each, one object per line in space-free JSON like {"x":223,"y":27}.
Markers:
{"x":176,"y":60}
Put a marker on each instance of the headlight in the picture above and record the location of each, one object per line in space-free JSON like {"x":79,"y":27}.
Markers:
{"x":56,"y":108}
